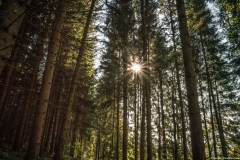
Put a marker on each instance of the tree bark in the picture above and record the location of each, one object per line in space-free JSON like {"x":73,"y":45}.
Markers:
{"x":197,"y":140}
{"x":164,"y":143}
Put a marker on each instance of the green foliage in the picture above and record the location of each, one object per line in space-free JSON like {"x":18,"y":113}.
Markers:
{"x":229,"y":18}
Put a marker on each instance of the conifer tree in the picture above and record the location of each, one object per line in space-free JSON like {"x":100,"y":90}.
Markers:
{"x":193,"y":104}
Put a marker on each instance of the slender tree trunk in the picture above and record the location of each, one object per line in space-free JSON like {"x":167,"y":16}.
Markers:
{"x":142,"y":140}
{"x":97,"y":143}
{"x":164,"y":143}
{"x":124,"y":36}
{"x":66,"y":117}
{"x":11,"y":15}
{"x":57,"y":114}
{"x":159,"y":127}
{"x":182,"y":112}
{"x":212,"y":124}
{"x":74,"y":135}
{"x":6,"y":81}
{"x":135,"y":119}
{"x":146,"y":81}
{"x":6,"y":78}
{"x":20,"y":129}
{"x":205,"y":123}
{"x":149,"y":126}
{"x":174,"y":115}
{"x":197,"y":140}
{"x":54,"y":132}
{"x":40,"y":114}
{"x":213,"y":100}
{"x":224,"y":150}
{"x":125,"y":107}
{"x":112,"y":156}
{"x":118,"y":116}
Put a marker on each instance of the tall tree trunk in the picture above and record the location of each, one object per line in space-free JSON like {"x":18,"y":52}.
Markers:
{"x":124,"y":38}
{"x":118,"y":116}
{"x":149,"y":119}
{"x":20,"y":129}
{"x":7,"y":73}
{"x":159,"y":126}
{"x":40,"y":114}
{"x":11,"y":15}
{"x":224,"y":149}
{"x":125,"y":107}
{"x":205,"y":123}
{"x":212,"y":123}
{"x":74,"y":135}
{"x":143,"y":128}
{"x":179,"y":87}
{"x":211,"y":98}
{"x":164,"y":143}
{"x":146,"y":80}
{"x":174,"y":115}
{"x":197,"y":140}
{"x":66,"y":117}
{"x":6,"y":77}
{"x":98,"y":141}
{"x":135,"y":119}
{"x":224,"y":152}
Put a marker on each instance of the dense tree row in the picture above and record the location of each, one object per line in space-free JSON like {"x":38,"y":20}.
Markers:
{"x":182,"y":103}
{"x":47,"y":81}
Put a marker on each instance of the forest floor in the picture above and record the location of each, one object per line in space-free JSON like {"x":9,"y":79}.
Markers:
{"x":7,"y":154}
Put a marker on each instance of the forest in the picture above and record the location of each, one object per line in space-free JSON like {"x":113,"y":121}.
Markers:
{"x":119,"y":79}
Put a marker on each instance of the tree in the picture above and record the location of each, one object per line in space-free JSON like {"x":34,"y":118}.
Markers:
{"x":193,"y":105}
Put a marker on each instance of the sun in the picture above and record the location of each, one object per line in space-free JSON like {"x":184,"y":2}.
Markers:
{"x":136,"y":67}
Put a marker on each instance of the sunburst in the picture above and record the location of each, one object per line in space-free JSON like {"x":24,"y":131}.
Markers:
{"x":136,"y":67}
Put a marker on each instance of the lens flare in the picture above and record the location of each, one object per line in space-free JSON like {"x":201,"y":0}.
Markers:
{"x":136,"y":67}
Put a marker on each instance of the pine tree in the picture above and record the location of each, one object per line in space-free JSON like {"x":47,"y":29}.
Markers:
{"x":193,"y":105}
